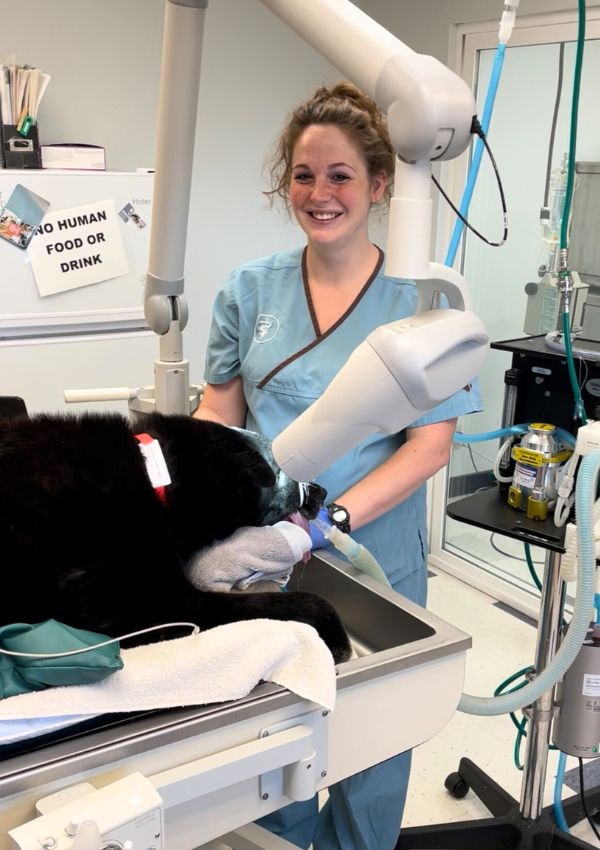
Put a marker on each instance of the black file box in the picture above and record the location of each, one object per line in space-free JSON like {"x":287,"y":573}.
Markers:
{"x":20,"y":151}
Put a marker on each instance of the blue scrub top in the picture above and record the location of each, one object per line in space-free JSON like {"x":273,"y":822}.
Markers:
{"x":264,"y":328}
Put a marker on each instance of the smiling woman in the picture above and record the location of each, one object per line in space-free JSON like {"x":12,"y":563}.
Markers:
{"x":331,"y":193}
{"x":283,"y":326}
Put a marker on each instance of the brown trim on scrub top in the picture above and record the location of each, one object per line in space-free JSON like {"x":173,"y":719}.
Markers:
{"x":320,"y":336}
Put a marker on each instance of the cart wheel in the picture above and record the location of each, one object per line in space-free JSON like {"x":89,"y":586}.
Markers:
{"x":456,"y":785}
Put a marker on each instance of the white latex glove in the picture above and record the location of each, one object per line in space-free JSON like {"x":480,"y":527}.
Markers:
{"x":250,"y":555}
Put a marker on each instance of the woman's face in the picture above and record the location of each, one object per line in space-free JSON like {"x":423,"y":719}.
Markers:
{"x":331,"y":191}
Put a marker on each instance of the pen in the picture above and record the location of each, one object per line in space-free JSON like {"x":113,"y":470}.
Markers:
{"x":22,"y":118}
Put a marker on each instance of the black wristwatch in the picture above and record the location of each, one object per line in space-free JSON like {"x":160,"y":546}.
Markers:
{"x":339,"y":516}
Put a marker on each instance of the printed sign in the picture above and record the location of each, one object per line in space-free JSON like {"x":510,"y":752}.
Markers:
{"x":591,"y":685}
{"x":76,"y":247}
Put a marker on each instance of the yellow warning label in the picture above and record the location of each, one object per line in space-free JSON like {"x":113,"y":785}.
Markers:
{"x":527,"y":456}
{"x":537,"y":459}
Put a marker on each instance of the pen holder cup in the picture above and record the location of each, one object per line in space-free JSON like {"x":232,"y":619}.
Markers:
{"x":20,"y":151}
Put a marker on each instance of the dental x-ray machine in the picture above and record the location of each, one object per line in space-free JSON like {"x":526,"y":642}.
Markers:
{"x":176,"y":779}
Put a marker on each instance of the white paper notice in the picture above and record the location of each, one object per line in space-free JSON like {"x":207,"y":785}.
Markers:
{"x":591,"y":685}
{"x":76,"y":247}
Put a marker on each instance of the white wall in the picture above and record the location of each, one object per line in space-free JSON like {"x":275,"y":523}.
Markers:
{"x":104,"y":60}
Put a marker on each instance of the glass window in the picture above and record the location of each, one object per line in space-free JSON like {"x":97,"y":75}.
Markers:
{"x":519,"y":135}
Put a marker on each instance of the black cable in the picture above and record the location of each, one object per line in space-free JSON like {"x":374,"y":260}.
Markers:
{"x":490,"y":472}
{"x":583,"y":364}
{"x":502,"y":552}
{"x":583,"y":801}
{"x":476,"y":128}
{"x":561,"y":58}
{"x":507,"y":554}
{"x":470,"y":450}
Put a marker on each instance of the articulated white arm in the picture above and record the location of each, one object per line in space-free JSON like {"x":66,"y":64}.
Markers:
{"x":429,"y":108}
{"x":429,"y":111}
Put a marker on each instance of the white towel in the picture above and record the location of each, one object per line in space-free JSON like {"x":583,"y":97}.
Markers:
{"x":218,"y":665}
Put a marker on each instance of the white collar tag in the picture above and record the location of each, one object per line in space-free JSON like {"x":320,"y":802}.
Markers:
{"x":156,"y":466}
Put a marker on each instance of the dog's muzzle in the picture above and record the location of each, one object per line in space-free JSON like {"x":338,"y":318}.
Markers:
{"x":312,"y":499}
{"x":286,"y":496}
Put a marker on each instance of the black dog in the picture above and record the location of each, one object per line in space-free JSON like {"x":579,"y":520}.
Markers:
{"x":86,"y":540}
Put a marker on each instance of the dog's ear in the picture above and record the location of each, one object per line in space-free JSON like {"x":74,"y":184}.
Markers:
{"x":255,"y":471}
{"x":239,"y":495}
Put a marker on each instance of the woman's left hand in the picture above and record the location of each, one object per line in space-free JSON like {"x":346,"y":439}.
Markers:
{"x":319,"y":541}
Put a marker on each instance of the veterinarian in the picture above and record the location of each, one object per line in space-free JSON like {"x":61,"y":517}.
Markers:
{"x":282,"y":327}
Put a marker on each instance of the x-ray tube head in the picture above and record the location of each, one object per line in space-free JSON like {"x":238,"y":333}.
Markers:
{"x":401,"y":370}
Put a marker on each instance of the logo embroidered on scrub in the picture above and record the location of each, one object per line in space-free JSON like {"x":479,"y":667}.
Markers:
{"x":266,"y":328}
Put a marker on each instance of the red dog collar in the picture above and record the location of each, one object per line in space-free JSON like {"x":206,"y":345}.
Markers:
{"x":159,"y":489}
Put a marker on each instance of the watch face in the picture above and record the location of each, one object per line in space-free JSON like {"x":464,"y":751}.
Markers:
{"x":339,"y":516}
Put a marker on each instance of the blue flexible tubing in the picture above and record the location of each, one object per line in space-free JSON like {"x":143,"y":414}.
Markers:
{"x":476,"y":161}
{"x":563,"y":435}
{"x":490,"y":435}
{"x":558,"y":809}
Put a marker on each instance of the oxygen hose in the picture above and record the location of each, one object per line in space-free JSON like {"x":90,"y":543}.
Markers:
{"x":563,"y":435}
{"x":357,"y":554}
{"x":587,"y":482}
{"x":491,"y":435}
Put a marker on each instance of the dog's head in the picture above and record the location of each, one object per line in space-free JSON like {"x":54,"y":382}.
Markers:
{"x":223,"y":479}
{"x":285,"y":496}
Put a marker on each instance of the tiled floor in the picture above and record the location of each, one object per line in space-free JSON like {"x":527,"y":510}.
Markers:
{"x":502,"y":644}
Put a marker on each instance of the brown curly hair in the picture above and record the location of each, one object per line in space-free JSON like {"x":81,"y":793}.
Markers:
{"x":347,"y":107}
